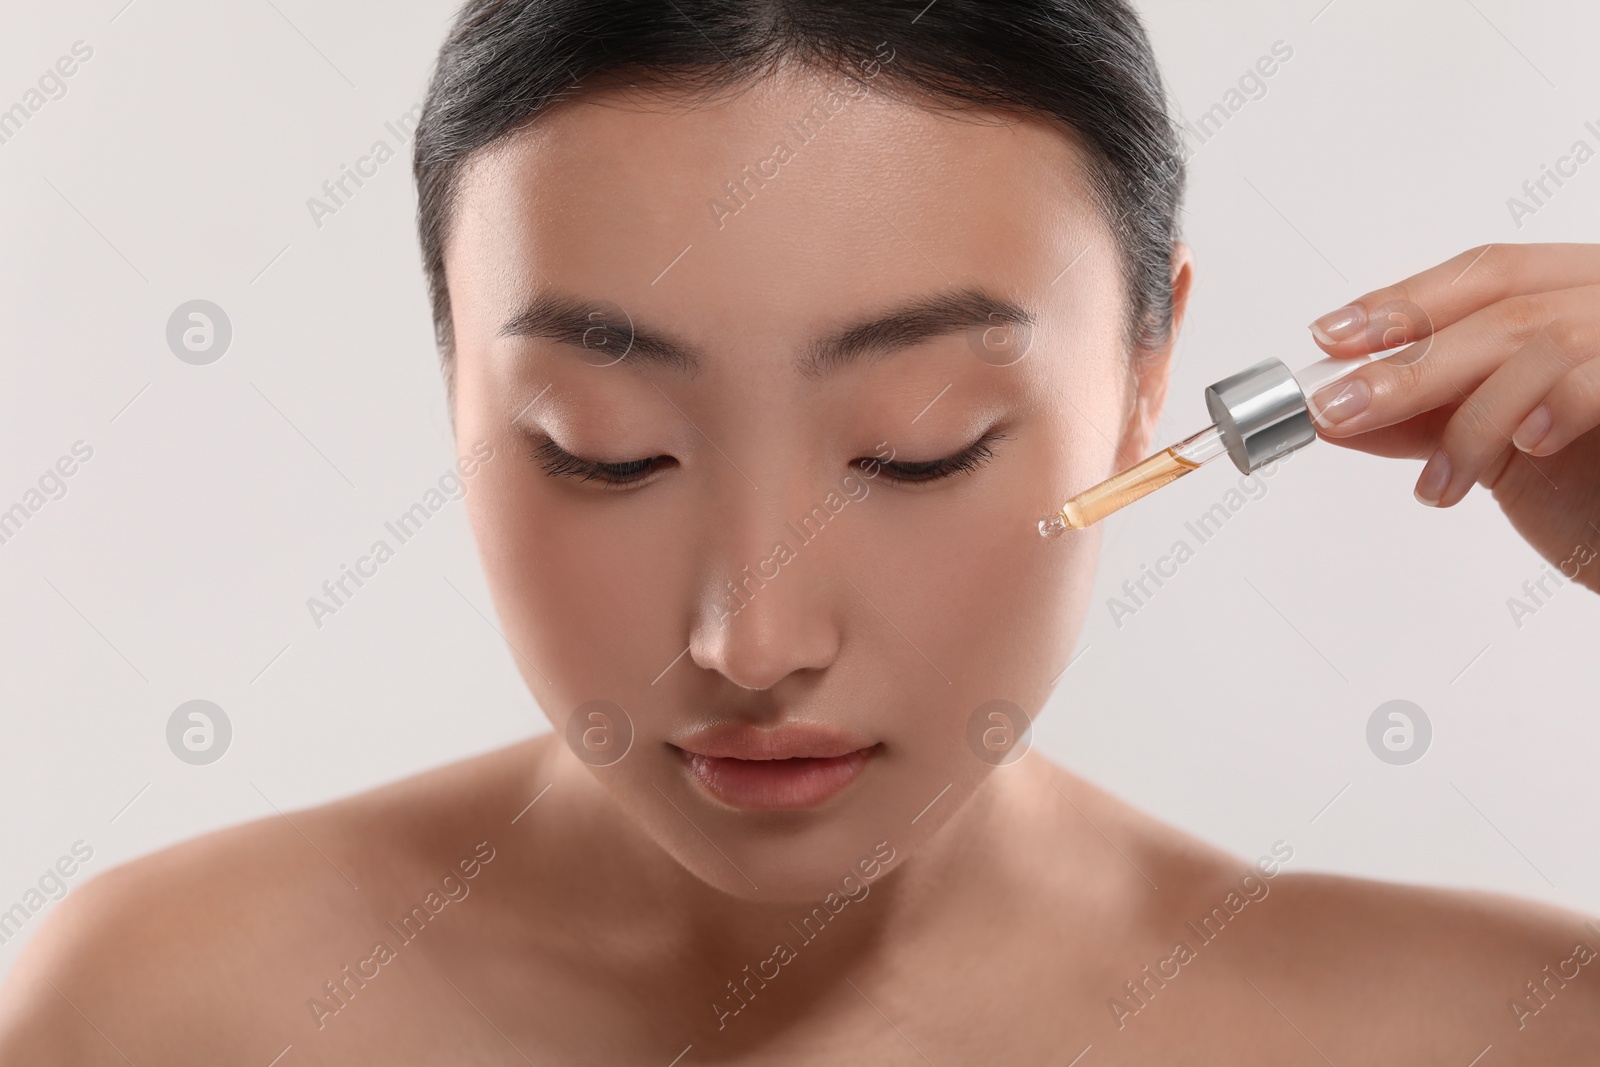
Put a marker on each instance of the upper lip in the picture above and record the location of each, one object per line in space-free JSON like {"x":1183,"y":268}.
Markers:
{"x":796,"y":740}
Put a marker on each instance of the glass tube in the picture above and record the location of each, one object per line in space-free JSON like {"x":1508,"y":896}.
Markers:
{"x":1143,"y":478}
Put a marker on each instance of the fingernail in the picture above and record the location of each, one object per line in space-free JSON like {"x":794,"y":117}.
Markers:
{"x":1339,"y":325}
{"x":1435,"y":478}
{"x":1338,"y":401}
{"x":1533,"y":428}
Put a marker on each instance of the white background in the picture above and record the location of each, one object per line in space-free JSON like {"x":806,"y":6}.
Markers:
{"x":219,"y":498}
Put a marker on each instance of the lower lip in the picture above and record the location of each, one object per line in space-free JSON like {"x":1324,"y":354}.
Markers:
{"x":776,"y":784}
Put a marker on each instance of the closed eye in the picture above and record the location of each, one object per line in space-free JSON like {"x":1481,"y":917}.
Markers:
{"x":967,"y":460}
{"x":559,"y":463}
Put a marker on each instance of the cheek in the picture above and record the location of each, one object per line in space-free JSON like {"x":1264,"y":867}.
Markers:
{"x":994,"y":606}
{"x":1003,"y":605}
{"x":590,"y":593}
{"x":983,"y":610}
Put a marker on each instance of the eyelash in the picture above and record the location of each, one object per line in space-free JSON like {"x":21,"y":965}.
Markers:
{"x":559,"y":463}
{"x":967,"y":460}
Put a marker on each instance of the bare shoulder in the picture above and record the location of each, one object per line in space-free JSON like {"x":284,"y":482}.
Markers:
{"x":212,"y":946}
{"x":1172,"y":865}
{"x":1523,"y":975}
{"x":1361,"y":970}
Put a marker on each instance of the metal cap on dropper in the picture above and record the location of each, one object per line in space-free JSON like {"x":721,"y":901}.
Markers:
{"x":1261,"y":414}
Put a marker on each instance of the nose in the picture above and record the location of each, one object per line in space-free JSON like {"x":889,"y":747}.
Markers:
{"x":770,"y":611}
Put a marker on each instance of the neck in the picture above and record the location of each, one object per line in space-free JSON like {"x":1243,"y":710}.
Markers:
{"x":597,"y":862}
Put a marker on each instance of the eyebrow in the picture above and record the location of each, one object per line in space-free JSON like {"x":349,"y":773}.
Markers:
{"x":598,"y":326}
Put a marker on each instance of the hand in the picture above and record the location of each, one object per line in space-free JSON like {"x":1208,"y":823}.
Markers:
{"x":1501,"y":387}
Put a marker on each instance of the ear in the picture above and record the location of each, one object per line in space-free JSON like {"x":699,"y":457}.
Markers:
{"x":1152,"y":370}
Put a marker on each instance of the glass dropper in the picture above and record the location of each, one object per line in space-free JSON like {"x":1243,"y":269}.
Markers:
{"x":1260,"y":414}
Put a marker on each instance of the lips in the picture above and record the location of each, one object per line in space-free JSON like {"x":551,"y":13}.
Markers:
{"x":789,"y":768}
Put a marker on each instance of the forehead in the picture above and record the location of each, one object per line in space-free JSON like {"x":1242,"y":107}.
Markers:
{"x":777,"y":207}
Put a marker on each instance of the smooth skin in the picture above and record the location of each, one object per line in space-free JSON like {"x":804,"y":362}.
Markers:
{"x":1013,"y":905}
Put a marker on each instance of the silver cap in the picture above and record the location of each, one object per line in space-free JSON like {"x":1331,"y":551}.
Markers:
{"x":1261,"y":413}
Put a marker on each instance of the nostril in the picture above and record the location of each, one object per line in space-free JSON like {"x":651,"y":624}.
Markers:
{"x":766,"y":642}
{"x":747,"y":665}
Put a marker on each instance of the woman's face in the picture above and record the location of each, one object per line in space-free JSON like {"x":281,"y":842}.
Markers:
{"x":778,"y":387}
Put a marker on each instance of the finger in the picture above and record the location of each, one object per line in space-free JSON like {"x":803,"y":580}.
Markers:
{"x":1452,"y":363}
{"x":1478,"y":438}
{"x":1571,"y":410}
{"x":1415,"y":438}
{"x":1441,"y":296}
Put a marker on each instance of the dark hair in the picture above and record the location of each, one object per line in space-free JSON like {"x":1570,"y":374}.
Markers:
{"x":1083,"y":63}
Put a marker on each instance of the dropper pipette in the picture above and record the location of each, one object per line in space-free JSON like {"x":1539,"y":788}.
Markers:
{"x":1259,"y":414}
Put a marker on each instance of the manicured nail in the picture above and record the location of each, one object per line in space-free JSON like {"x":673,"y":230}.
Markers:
{"x":1434,"y":480}
{"x":1533,"y":429}
{"x":1338,"y":401}
{"x":1339,"y":325}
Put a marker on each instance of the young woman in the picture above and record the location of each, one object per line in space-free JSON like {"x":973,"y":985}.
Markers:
{"x":771,"y":329}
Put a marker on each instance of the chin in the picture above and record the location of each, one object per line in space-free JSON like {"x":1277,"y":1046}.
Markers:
{"x":750,"y":842}
{"x":802,"y":870}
